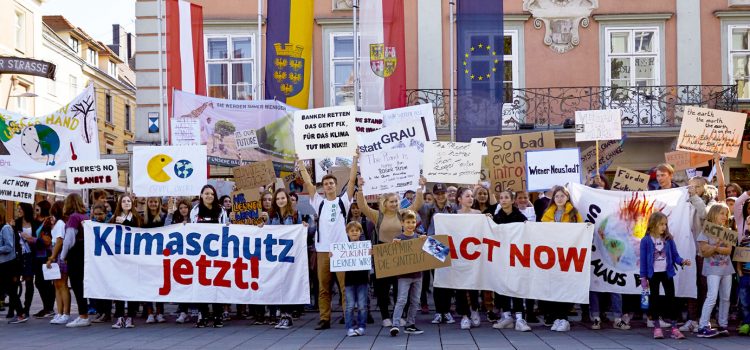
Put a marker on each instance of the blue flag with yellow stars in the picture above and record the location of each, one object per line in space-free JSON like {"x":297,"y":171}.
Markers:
{"x":481,"y":47}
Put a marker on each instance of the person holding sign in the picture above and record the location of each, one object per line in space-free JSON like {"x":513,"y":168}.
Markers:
{"x":409,"y":285}
{"x":331,"y":209}
{"x":388,"y":224}
{"x":357,"y":288}
{"x":718,"y":269}
{"x":743,"y":272}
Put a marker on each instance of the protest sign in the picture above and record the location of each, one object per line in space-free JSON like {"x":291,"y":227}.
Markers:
{"x":246,"y":207}
{"x":423,"y":114}
{"x":17,"y":189}
{"x":711,"y":131}
{"x":620,"y":220}
{"x":38,"y":144}
{"x":351,"y":256}
{"x":598,"y":125}
{"x":630,"y":180}
{"x":741,"y":254}
{"x":246,"y":139}
{"x":482,"y":142}
{"x":92,"y":174}
{"x":608,"y":151}
{"x":535,"y":260}
{"x":214,"y":122}
{"x":507,"y":158}
{"x":342,"y":177}
{"x":388,"y":171}
{"x":52,"y":272}
{"x":719,"y":233}
{"x":681,"y":160}
{"x":325,"y":132}
{"x":366,"y":122}
{"x":746,"y":152}
{"x":398,"y":258}
{"x":548,"y":168}
{"x":405,"y":136}
{"x":169,"y":170}
{"x":454,"y":162}
{"x":223,"y":187}
{"x":255,"y":175}
{"x":197,"y":263}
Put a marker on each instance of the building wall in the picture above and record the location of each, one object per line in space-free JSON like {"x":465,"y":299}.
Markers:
{"x":29,"y":47}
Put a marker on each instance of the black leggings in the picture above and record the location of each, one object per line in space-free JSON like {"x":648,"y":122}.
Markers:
{"x":383,"y":294}
{"x":45,"y":288}
{"x":9,"y":286}
{"x":75,"y":273}
{"x":503,"y":302}
{"x":662,"y":305}
{"x":132,"y":308}
{"x":442,"y":298}
{"x":464,"y":304}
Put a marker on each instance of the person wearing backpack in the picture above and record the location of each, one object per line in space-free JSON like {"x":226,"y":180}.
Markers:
{"x":388,"y":225}
{"x":332,"y":210}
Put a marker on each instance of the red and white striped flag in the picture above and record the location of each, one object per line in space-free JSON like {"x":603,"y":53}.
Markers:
{"x":382,"y":55}
{"x":186,"y":67}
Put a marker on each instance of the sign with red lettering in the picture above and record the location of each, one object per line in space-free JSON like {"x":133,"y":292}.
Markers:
{"x":621,"y":219}
{"x":92,"y":174}
{"x":535,"y":260}
{"x":197,"y":263}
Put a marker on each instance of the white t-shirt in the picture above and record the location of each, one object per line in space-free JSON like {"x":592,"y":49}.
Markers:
{"x":58,"y":231}
{"x":331,"y":224}
{"x":25,"y":248}
{"x":660,"y":255}
{"x":529,"y":213}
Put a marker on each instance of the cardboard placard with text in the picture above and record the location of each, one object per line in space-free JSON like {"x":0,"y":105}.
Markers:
{"x":246,"y":207}
{"x":746,"y":152}
{"x":681,"y":160}
{"x":398,"y":258}
{"x":741,"y":254}
{"x":719,"y":233}
{"x":598,"y":125}
{"x":710,"y":131}
{"x":630,"y":180}
{"x":254,"y":175}
{"x":507,"y":158}
{"x":608,"y":151}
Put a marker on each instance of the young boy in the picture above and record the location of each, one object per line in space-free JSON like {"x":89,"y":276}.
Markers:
{"x":357,"y":286}
{"x":409,"y":285}
{"x":743,"y":271}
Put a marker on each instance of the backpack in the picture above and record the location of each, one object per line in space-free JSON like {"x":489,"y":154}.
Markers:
{"x":320,"y":210}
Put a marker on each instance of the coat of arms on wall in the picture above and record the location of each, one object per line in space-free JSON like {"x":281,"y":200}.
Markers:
{"x":561,"y":19}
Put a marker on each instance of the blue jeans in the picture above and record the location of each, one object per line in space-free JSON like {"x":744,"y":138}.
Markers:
{"x":744,"y":294}
{"x":356,"y":296}
{"x":615,"y":304}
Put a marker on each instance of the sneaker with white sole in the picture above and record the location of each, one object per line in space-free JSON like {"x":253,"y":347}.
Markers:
{"x":182,"y":318}
{"x":360,"y":331}
{"x":79,"y":322}
{"x":522,"y":326}
{"x":596,"y":323}
{"x":151,"y":319}
{"x":119,"y":323}
{"x":438,"y":319}
{"x":394,"y":331}
{"x":129,"y":323}
{"x":475,"y":320}
{"x":54,"y":319}
{"x":449,"y":318}
{"x":650,"y":323}
{"x":465,"y":323}
{"x":351,"y":333}
{"x":505,"y":322}
{"x":564,"y":326}
{"x":620,"y":324}
{"x":689,"y":326}
{"x":387,"y":323}
{"x":160,"y":318}
{"x":555,"y":325}
{"x":664,"y":324}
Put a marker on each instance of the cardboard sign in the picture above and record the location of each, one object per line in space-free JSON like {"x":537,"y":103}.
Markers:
{"x":351,"y":256}
{"x":608,"y":152}
{"x":17,"y":189}
{"x":482,"y":142}
{"x":507,"y":158}
{"x":630,"y":180}
{"x":388,"y":171}
{"x":741,"y":254}
{"x":92,"y":174}
{"x":719,"y":233}
{"x":423,"y":114}
{"x":548,"y":168}
{"x":453,"y":162}
{"x":366,"y":122}
{"x":325,"y":132}
{"x":398,"y":258}
{"x":746,"y":152}
{"x":246,"y":139}
{"x":711,"y":131}
{"x":254,"y":175}
{"x":681,"y":160}
{"x":246,"y":207}
{"x":598,"y":125}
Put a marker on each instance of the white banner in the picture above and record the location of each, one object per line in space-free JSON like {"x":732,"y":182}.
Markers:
{"x":535,"y":260}
{"x":197,"y":263}
{"x":423,"y":114}
{"x":548,"y":168}
{"x":92,"y":174}
{"x":325,"y":132}
{"x":351,"y":256}
{"x":388,"y":171}
{"x":169,"y":170}
{"x":366,"y":122}
{"x":17,"y":189}
{"x":621,"y":219}
{"x":598,"y":125}
{"x":37,"y":144}
{"x":452,"y":162}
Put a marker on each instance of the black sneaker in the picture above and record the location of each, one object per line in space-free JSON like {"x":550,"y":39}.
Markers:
{"x":724,"y":331}
{"x":323,"y":324}
{"x":295,"y":314}
{"x":201,"y":323}
{"x":218,"y":322}
{"x":394,"y":331}
{"x":412,"y":329}
{"x":491,"y":317}
{"x":41,"y":314}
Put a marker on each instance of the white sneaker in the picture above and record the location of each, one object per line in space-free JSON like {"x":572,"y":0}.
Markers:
{"x":160,"y":318}
{"x":465,"y":323}
{"x":663,"y":324}
{"x":555,"y":325}
{"x":183,"y":318}
{"x":54,"y":319}
{"x":505,"y":322}
{"x":438,"y":319}
{"x":63,"y":319}
{"x":475,"y":320}
{"x":620,"y":324}
{"x":79,"y":322}
{"x":150,"y":319}
{"x":650,"y":323}
{"x":449,"y":318}
{"x":522,"y":326}
{"x":129,"y":323}
{"x":564,"y":326}
{"x":387,"y":323}
{"x":351,"y":333}
{"x":119,"y":323}
{"x":596,"y":324}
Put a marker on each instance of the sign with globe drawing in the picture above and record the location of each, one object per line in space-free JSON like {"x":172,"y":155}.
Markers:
{"x":169,"y":170}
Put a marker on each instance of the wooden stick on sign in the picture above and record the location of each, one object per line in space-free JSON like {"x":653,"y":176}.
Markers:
{"x":597,"y":158}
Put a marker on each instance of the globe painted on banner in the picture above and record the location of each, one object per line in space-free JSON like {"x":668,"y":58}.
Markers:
{"x":289,"y":68}
{"x":41,"y":143}
{"x":481,"y":62}
{"x":383,"y":60}
{"x":183,"y":168}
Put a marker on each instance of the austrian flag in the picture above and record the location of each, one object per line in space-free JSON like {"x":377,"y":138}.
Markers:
{"x":186,"y":69}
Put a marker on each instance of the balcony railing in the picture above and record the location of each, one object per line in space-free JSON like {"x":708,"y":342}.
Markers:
{"x":548,"y":108}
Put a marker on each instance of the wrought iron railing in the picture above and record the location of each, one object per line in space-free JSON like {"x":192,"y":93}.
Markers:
{"x":548,"y":108}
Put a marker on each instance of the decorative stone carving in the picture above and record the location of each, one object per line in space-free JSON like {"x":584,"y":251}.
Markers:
{"x":343,"y":4}
{"x":561,"y":19}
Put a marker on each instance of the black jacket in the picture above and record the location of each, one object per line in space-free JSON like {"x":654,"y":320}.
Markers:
{"x":503,"y":218}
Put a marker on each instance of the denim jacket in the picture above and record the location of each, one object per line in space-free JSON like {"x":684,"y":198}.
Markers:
{"x":647,"y":257}
{"x":7,"y":245}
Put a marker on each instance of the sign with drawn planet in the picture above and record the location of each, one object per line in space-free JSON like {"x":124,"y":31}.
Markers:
{"x":169,"y":170}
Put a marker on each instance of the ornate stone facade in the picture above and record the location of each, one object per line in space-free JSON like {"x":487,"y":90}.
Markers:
{"x":561,"y":19}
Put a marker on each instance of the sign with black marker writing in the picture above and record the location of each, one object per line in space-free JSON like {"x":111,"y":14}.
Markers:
{"x":17,"y":189}
{"x":711,"y":131}
{"x":366,"y":122}
{"x":598,"y":125}
{"x":246,"y":139}
{"x":630,"y":180}
{"x":351,"y":256}
{"x":388,"y":171}
{"x":741,"y":254}
{"x":92,"y":174}
{"x":507,"y":158}
{"x":453,"y":162}
{"x":325,"y":132}
{"x":719,"y":233}
{"x":548,"y":168}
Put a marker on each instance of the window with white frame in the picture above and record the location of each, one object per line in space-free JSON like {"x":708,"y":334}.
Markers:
{"x":487,"y":51}
{"x":75,"y":44}
{"x":341,"y":69}
{"x":108,"y":108}
{"x":739,"y":59}
{"x":73,"y":81}
{"x":92,"y":57}
{"x":230,"y":66}
{"x":20,"y":31}
{"x":113,"y":69}
{"x":632,"y":57}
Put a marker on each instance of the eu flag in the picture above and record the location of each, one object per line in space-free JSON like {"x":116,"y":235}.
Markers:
{"x":480,"y":48}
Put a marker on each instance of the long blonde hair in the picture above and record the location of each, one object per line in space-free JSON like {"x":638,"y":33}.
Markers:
{"x":714,"y":211}
{"x":656,"y":218}
{"x":384,"y":198}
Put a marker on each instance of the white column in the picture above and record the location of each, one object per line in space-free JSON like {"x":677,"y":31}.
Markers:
{"x":688,"y":42}
{"x":430,"y":44}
